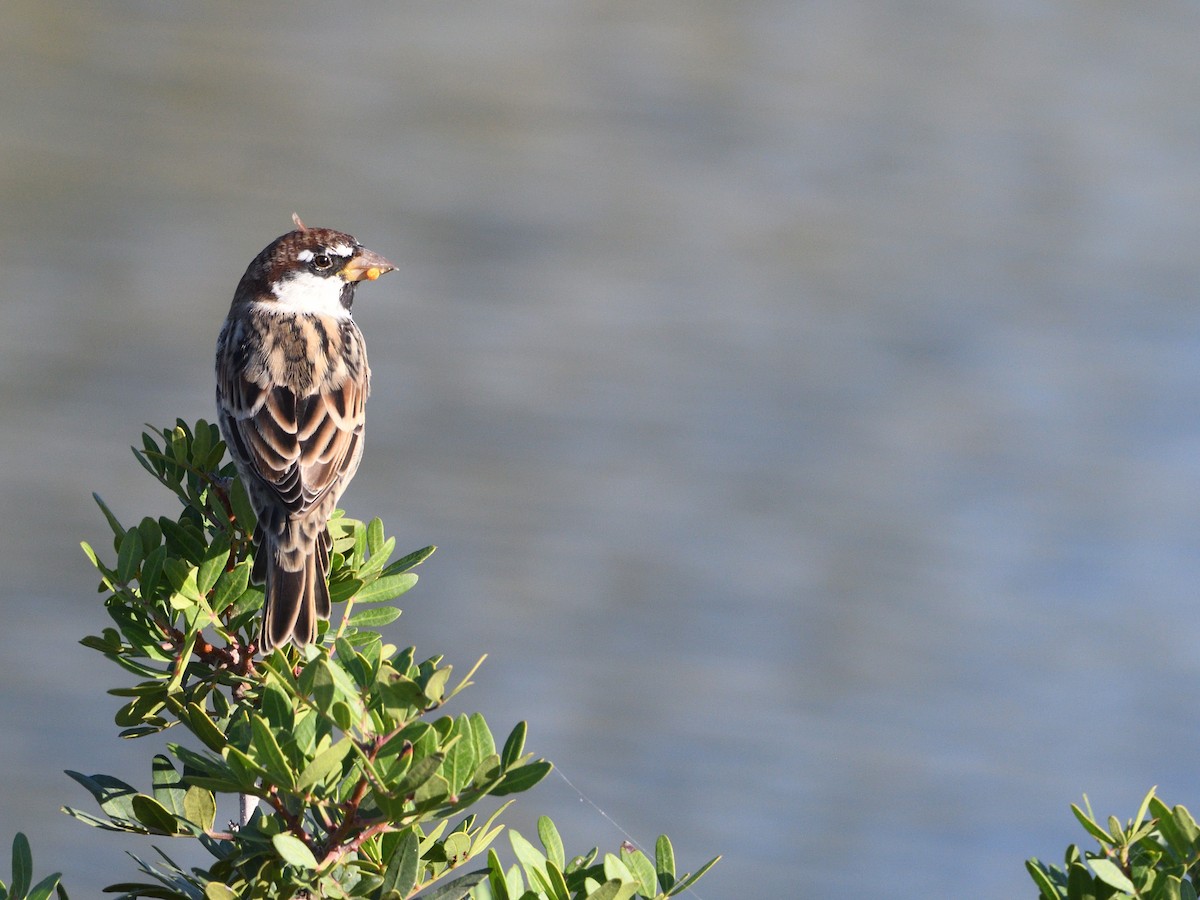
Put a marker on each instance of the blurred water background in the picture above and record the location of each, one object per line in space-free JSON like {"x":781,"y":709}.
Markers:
{"x":803,"y":395}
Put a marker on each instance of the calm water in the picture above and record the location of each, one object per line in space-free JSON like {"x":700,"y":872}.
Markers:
{"x":803,"y":395}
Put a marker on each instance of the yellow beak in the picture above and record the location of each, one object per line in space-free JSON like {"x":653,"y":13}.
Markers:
{"x":366,"y":265}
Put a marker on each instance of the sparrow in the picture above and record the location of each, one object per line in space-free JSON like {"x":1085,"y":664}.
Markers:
{"x":292,"y":386}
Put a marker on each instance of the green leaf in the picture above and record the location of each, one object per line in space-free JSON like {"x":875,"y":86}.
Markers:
{"x":481,"y":737}
{"x":325,"y":762}
{"x":277,"y":707}
{"x":688,"y":880}
{"x":342,"y":590}
{"x":270,"y":756}
{"x":374,"y":618}
{"x":377,"y":559}
{"x":204,"y":727}
{"x":435,"y":686}
{"x":182,"y":578}
{"x":412,"y":560}
{"x":460,"y":757}
{"x":401,"y":874}
{"x":1110,"y":873}
{"x":110,"y":824}
{"x":41,"y":890}
{"x":457,"y":848}
{"x":386,"y":587}
{"x":317,"y":679}
{"x":154,"y":815}
{"x":215,"y":768}
{"x":531,"y":860}
{"x":129,"y":556}
{"x":359,"y":553}
{"x":294,"y":851}
{"x":375,"y":535}
{"x":114,"y":796}
{"x":1091,"y":827}
{"x":244,"y":770}
{"x":1042,"y":880}
{"x":216,"y":891}
{"x":1177,"y":827}
{"x":184,"y":540}
{"x":151,"y":534}
{"x":213,"y":564}
{"x":514,"y":746}
{"x":117,"y":529}
{"x":457,"y":889}
{"x":243,"y":510}
{"x":549,"y":836}
{"x":168,"y":786}
{"x":201,"y":442}
{"x":610,"y":890}
{"x":664,"y":862}
{"x":152,"y":572}
{"x":555,"y":883}
{"x":22,"y":865}
{"x":179,"y":444}
{"x":91,"y":555}
{"x":614,"y":868}
{"x":420,"y":772}
{"x":522,"y":778}
{"x":200,"y":807}
{"x":642,"y":870}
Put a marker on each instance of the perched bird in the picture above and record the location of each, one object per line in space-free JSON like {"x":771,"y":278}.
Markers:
{"x":292,"y":385}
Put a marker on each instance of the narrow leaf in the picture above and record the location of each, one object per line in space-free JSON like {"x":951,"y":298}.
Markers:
{"x":514,"y":746}
{"x":402,"y":868}
{"x":42,"y":890}
{"x":522,"y":778}
{"x":22,"y":865}
{"x":230,"y":586}
{"x":213,"y":564}
{"x":323,"y":764}
{"x":412,"y":560}
{"x":376,"y":617}
{"x":531,"y":860}
{"x":117,"y":529}
{"x":1090,"y":826}
{"x":129,"y":556}
{"x":664,"y":862}
{"x":386,"y":587}
{"x":269,"y":755}
{"x":457,"y":889}
{"x":552,"y":841}
{"x":688,"y":880}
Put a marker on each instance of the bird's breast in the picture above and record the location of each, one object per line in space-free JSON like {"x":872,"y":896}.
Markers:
{"x":310,"y":353}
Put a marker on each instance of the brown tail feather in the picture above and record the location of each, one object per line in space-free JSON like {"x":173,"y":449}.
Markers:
{"x":295,"y":599}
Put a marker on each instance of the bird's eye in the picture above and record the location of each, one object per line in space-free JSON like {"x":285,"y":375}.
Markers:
{"x":321,"y":262}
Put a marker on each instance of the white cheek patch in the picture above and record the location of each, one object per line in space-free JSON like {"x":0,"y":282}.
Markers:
{"x":309,"y":293}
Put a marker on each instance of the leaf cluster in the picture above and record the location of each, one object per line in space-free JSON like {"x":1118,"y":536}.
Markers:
{"x":1153,"y":856}
{"x":550,"y":875}
{"x":353,"y":780}
{"x":22,"y":887}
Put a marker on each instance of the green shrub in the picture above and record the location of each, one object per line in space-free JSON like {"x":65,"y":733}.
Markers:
{"x":1151,"y":856}
{"x":352,"y":780}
